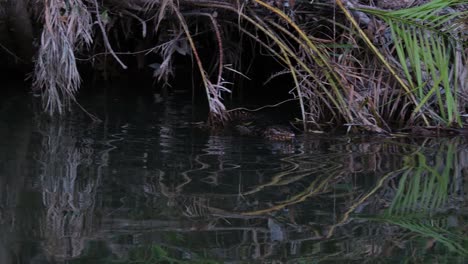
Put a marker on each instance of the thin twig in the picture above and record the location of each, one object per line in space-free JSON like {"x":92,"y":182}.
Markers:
{"x":143,"y":23}
{"x":12,"y":53}
{"x":104,"y":37}
{"x":263,"y":107}
{"x":93,"y":117}
{"x":220,"y":49}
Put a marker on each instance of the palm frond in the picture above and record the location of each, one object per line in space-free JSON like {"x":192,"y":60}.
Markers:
{"x":426,"y":39}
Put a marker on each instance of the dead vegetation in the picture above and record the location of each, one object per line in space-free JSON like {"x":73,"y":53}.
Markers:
{"x":351,"y":63}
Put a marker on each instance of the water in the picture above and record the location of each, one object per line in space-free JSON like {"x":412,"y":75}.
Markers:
{"x":148,"y":186}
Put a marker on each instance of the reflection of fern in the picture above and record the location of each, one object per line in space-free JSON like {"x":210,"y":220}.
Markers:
{"x":427,"y":228}
{"x":428,"y":50}
{"x":423,"y":187}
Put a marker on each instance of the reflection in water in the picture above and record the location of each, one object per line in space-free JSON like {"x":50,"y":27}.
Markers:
{"x":151,"y":188}
{"x":69,"y":173}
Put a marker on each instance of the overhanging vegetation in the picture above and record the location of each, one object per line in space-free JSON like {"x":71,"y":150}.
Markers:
{"x":351,"y":64}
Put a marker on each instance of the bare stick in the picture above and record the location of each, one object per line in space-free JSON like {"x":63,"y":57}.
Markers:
{"x":104,"y":37}
{"x":11,"y":53}
{"x":263,"y":107}
{"x":143,"y":23}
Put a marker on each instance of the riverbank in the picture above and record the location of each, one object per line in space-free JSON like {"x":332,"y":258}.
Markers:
{"x":347,"y":64}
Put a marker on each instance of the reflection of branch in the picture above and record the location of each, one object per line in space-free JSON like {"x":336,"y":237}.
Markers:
{"x":278,"y":177}
{"x":360,"y":201}
{"x":185,"y":173}
{"x":69,"y":201}
{"x":217,"y":149}
{"x":129,"y":226}
{"x":307,"y":173}
{"x":310,"y":191}
{"x":277,"y":180}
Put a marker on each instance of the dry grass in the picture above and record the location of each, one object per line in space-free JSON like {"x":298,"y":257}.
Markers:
{"x":65,"y":30}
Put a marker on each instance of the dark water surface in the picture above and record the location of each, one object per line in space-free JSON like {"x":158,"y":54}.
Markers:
{"x":147,"y":186}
